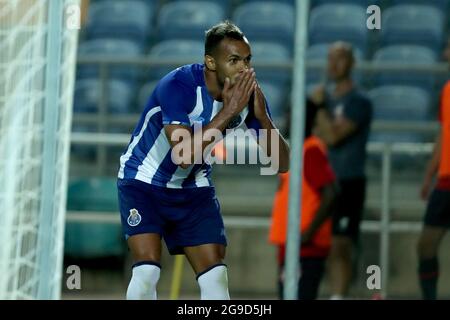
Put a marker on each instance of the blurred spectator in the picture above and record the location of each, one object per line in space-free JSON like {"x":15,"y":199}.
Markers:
{"x":318,"y":194}
{"x":343,"y":123}
{"x":437,"y":216}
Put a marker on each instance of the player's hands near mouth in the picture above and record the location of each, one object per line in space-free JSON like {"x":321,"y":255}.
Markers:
{"x":237,"y":96}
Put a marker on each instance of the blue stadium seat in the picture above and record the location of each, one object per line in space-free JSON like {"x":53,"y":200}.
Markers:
{"x":270,"y":52}
{"x":400,"y":103}
{"x":405,"y":54}
{"x":267,"y":21}
{"x":188,"y":19}
{"x":93,"y":240}
{"x":291,"y":2}
{"x":129,"y":20}
{"x":362,"y":3}
{"x":398,"y":161}
{"x":413,"y":24}
{"x":319,"y":53}
{"x":88,"y":91}
{"x":226,"y":5}
{"x":145,"y":92}
{"x":332,"y":22}
{"x":277,"y":99}
{"x":396,"y":137}
{"x":186,"y":51}
{"x":276,"y":96}
{"x":109,"y":48}
{"x":440,"y":4}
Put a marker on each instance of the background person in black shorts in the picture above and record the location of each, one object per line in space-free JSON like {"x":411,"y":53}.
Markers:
{"x":344,"y":122}
{"x":437,"y":216}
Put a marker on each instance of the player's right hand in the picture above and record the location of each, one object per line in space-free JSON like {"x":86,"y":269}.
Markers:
{"x":236,"y":97}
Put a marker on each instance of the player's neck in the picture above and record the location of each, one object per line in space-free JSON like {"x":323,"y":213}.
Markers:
{"x":343,"y":86}
{"x":212,"y":84}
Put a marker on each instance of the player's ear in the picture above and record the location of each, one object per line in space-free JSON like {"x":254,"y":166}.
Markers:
{"x":210,"y":63}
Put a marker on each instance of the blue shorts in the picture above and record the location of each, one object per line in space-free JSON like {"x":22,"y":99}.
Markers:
{"x":183,"y":217}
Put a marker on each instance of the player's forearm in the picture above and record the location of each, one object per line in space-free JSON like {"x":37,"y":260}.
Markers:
{"x":205,"y":139}
{"x":283,"y":150}
{"x":196,"y":145}
{"x":326,"y":206}
{"x":433,"y":164}
{"x":220,"y":120}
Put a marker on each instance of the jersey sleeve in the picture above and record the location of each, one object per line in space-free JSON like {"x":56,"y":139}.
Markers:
{"x":317,"y":169}
{"x":176,"y":102}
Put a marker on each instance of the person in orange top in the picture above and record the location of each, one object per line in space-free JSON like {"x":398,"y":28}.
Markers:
{"x":437,"y":216}
{"x":318,"y":195}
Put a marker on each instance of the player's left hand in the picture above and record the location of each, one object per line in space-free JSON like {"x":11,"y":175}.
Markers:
{"x":259,"y":104}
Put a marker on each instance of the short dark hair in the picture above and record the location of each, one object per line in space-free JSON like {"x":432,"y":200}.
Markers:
{"x":217,"y":33}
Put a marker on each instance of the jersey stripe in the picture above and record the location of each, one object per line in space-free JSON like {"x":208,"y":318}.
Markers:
{"x":153,"y":160}
{"x":124,"y":158}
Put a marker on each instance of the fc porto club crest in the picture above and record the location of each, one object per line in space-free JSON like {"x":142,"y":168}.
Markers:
{"x":134,"y":218}
{"x":234,"y":122}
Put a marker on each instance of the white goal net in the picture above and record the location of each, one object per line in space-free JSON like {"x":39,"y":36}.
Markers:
{"x":37,"y":66}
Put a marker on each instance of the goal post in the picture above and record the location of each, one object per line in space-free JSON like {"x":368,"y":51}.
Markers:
{"x":37,"y":74}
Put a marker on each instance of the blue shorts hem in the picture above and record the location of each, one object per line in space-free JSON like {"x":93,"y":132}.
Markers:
{"x":142,"y":231}
{"x":178,"y":249}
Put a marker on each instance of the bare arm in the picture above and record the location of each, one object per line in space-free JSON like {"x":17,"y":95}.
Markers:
{"x":327,"y":202}
{"x":188,"y":147}
{"x":432,"y":168}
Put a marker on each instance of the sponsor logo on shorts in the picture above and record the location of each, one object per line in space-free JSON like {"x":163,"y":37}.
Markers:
{"x":134,"y":218}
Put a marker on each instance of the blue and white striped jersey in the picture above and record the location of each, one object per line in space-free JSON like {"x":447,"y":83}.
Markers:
{"x":181,"y":97}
